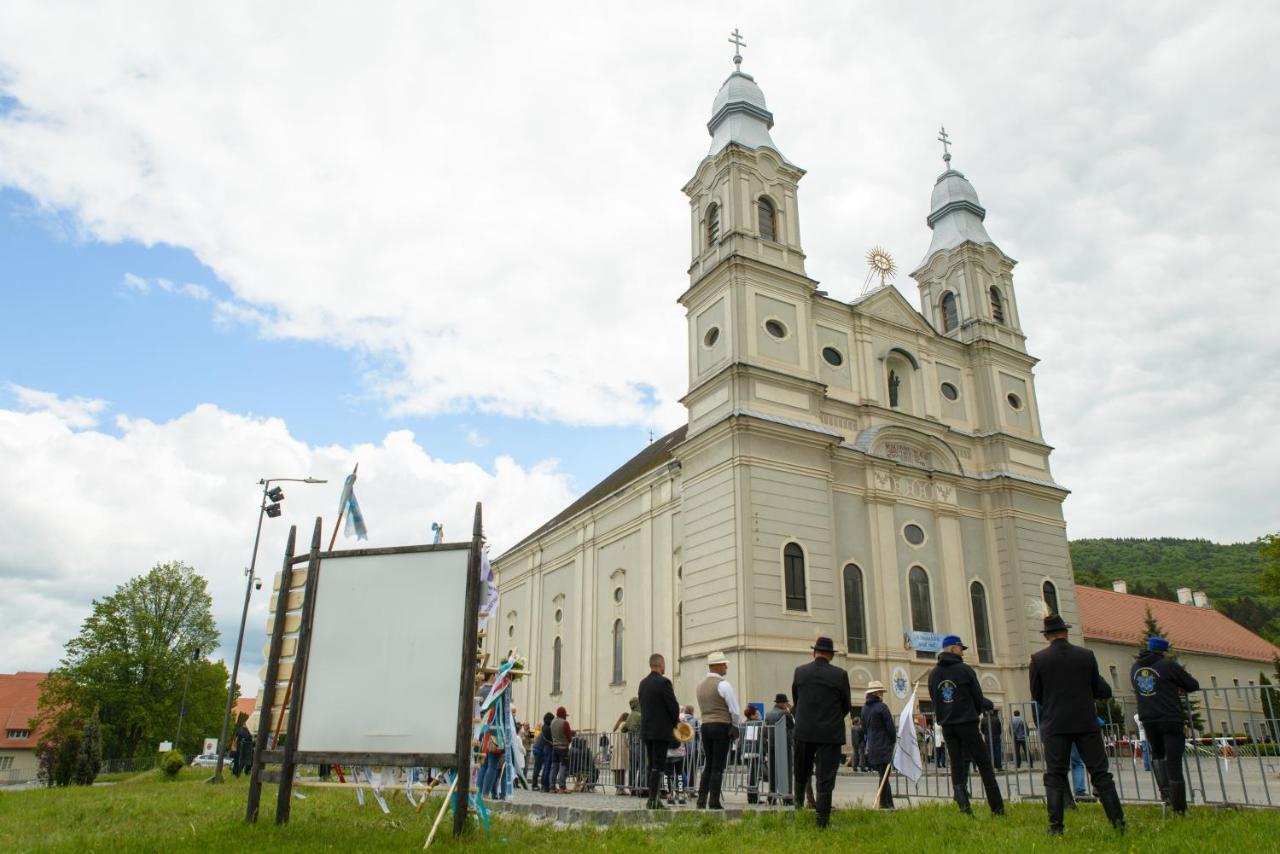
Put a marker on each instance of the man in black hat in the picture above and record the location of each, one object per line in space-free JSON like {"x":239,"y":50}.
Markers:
{"x":957,"y":702}
{"x":821,"y":692}
{"x":659,"y":714}
{"x":1065,"y":682}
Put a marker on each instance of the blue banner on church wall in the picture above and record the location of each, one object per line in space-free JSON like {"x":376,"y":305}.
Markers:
{"x":926,"y":641}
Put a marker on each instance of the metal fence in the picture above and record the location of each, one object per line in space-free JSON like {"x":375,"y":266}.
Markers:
{"x":1232,"y":755}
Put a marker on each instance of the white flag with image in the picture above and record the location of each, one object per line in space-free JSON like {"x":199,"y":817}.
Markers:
{"x":906,"y":755}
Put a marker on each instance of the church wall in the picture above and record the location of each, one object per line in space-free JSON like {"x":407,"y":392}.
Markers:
{"x":710,"y":553}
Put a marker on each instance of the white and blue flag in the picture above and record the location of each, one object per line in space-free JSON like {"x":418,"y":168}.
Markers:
{"x":349,"y":505}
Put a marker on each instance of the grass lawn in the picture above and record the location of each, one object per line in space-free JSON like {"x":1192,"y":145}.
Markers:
{"x":146,"y":813}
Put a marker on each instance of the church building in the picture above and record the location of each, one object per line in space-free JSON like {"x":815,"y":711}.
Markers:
{"x":863,"y":470}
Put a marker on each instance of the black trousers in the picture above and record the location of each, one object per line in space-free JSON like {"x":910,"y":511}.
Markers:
{"x":886,"y":793}
{"x":966,"y":745}
{"x":822,"y":759}
{"x":1057,"y":761}
{"x":1167,"y":744}
{"x":1020,"y":750}
{"x":716,"y":739}
{"x":656,"y":751}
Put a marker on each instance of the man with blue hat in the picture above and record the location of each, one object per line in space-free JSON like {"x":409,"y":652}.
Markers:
{"x":957,"y":703}
{"x":1159,"y":682}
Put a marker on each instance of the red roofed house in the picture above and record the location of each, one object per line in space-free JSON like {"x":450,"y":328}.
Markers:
{"x":19,"y":694}
{"x":1217,"y":651}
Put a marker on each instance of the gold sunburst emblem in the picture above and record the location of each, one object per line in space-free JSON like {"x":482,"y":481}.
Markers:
{"x":880,"y":265}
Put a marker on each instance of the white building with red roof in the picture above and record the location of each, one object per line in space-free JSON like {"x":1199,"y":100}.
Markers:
{"x":19,"y":697}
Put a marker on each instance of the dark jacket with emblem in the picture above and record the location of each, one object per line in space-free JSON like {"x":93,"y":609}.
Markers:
{"x":1064,"y":683}
{"x":953,"y":688}
{"x":821,"y":693}
{"x":659,"y":709}
{"x":1159,"y":687}
{"x":882,"y":732}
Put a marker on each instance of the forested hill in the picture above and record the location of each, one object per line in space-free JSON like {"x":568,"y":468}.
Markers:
{"x":1228,"y":573}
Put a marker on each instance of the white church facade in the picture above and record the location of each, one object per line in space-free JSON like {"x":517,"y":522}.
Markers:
{"x":859,"y":470}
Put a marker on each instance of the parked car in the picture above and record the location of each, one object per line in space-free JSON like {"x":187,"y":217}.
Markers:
{"x":205,"y":760}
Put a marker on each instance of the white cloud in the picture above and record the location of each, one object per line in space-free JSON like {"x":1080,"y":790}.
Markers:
{"x":135,"y":282}
{"x":77,"y":413}
{"x":475,"y":440}
{"x":489,"y":205}
{"x":83,"y":511}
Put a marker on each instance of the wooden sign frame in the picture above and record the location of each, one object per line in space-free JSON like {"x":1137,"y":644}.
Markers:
{"x":288,"y":756}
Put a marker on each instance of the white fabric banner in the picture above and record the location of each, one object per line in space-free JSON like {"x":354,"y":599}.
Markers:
{"x":906,"y":755}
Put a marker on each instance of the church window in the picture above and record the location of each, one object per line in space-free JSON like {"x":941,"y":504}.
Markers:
{"x":855,"y":612}
{"x":894,"y":383}
{"x":511,"y":631}
{"x":832,"y":357}
{"x":617,"y":594}
{"x":712,"y":336}
{"x":997,"y":305}
{"x":713,"y":224}
{"x":793,"y":577}
{"x":617,"y":651}
{"x":559,"y":614}
{"x":557,"y":649}
{"x":950,"y":392}
{"x":1050,"y":596}
{"x":950,"y":312}
{"x":767,"y":216}
{"x":1014,"y":401}
{"x":913,"y":534}
{"x":775,"y":328}
{"x":981,"y":625}
{"x":921,"y":604}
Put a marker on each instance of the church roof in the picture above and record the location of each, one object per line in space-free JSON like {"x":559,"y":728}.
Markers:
{"x":655,"y":454}
{"x":1121,"y":618}
{"x":954,"y":213}
{"x":739,"y":115}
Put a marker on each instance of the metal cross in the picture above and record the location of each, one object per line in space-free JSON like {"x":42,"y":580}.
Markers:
{"x":738,"y":44}
{"x":946,"y":141}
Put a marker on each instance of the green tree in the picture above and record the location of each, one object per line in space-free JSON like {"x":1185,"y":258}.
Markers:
{"x":1269,"y":551}
{"x":89,"y":760}
{"x":129,"y":661}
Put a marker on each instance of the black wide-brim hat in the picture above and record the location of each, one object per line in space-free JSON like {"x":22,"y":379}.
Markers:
{"x":824,"y":645}
{"x":1054,"y":623}
{"x":780,"y":699}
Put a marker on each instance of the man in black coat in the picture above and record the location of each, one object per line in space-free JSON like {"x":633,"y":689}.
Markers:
{"x":1159,"y":682}
{"x":1065,"y":682}
{"x":957,"y":701}
{"x":659,"y":714}
{"x":821,"y":691}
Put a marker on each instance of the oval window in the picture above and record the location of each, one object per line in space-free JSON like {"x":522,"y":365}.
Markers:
{"x":832,"y":356}
{"x":511,"y":631}
{"x":712,"y":336}
{"x":617,"y":594}
{"x":1014,"y":400}
{"x":913,"y":534}
{"x":950,"y":392}
{"x":775,"y":328}
{"x":559,"y":614}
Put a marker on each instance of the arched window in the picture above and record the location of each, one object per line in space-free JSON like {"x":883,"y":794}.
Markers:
{"x":997,"y":305}
{"x":894,"y":382}
{"x":766,"y":214}
{"x":855,"y":611}
{"x":556,"y":650}
{"x":981,"y":626}
{"x":1050,"y":597}
{"x":617,"y":652}
{"x":950,"y":312}
{"x":713,"y":224}
{"x":921,"y":604}
{"x":793,"y":577}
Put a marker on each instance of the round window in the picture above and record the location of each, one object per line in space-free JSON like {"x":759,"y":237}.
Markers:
{"x":775,"y":328}
{"x":712,"y":336}
{"x":617,"y":594}
{"x":1014,"y":400}
{"x":559,"y":614}
{"x":832,"y":357}
{"x":950,"y":392}
{"x":913,"y":534}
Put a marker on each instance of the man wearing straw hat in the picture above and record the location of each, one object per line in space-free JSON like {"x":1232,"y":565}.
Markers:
{"x":822,"y":692}
{"x":720,"y":717}
{"x":1065,"y":682}
{"x":881,"y":731}
{"x":659,"y":714}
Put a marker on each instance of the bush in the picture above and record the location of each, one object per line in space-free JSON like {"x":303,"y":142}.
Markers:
{"x":172,"y":764}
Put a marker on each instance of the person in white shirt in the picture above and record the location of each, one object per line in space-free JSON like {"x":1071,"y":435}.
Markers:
{"x":1146,"y":748}
{"x":720,"y":718}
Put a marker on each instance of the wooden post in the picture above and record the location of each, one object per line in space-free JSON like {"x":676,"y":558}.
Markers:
{"x":284,"y":798}
{"x":467,"y":688}
{"x":269,"y":686}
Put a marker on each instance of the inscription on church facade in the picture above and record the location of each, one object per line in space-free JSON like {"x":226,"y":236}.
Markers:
{"x":908,"y":454}
{"x":915,"y":487}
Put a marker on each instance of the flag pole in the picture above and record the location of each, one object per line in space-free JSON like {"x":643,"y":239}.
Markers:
{"x":341,"y":511}
{"x":883,"y":780}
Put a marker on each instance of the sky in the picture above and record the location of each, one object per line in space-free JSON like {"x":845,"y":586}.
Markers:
{"x":445,"y":241}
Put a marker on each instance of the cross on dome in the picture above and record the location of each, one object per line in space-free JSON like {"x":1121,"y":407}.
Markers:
{"x":946,"y":142}
{"x":738,"y":45}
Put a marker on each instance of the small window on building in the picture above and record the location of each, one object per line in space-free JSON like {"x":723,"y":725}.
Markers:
{"x":1014,"y":401}
{"x":712,"y":336}
{"x":950,"y":312}
{"x":832,"y":357}
{"x":997,"y":305}
{"x":793,"y":577}
{"x":617,"y":594}
{"x":617,"y":651}
{"x":913,"y":534}
{"x":713,"y":224}
{"x":921,"y":604}
{"x":950,"y":392}
{"x":855,"y":611}
{"x":557,"y":649}
{"x":766,"y":214}
{"x":6,"y":762}
{"x":1115,"y":678}
{"x":559,"y":614}
{"x":981,"y":625}
{"x":894,"y":382}
{"x":775,"y":328}
{"x":511,"y":631}
{"x":18,"y":733}
{"x":1050,"y":593}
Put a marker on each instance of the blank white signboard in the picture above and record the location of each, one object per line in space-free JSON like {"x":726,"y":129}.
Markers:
{"x":385,"y":661}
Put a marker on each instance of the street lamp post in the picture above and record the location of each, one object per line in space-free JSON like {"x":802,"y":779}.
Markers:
{"x":264,"y":509}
